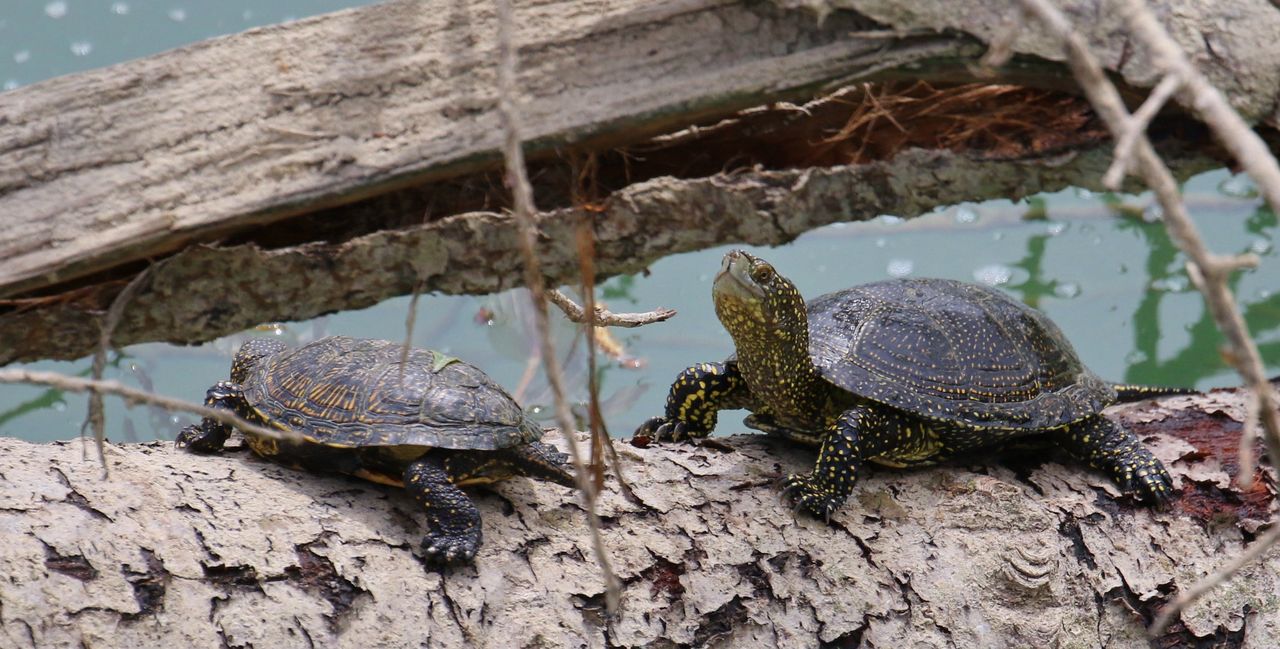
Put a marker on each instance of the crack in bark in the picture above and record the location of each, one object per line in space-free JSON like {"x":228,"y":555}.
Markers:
{"x":149,"y":586}
{"x":1070,"y":528}
{"x":72,"y":565}
{"x":720,"y":622}
{"x":76,"y":498}
{"x":317,"y":574}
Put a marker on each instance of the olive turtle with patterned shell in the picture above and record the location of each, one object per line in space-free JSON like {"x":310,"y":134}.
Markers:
{"x":904,"y":372}
{"x":430,"y":424}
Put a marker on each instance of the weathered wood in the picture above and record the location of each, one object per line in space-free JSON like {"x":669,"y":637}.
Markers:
{"x":1232,"y":43}
{"x":136,"y":160}
{"x":189,"y":551}
{"x":205,"y":292}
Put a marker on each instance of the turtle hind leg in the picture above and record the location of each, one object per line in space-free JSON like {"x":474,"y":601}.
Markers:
{"x":858,"y":434}
{"x":453,"y":519}
{"x":209,"y":435}
{"x":1104,"y":445}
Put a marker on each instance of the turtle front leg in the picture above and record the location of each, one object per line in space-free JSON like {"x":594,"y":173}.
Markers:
{"x":454,"y":520}
{"x":697,"y":394}
{"x":857,"y":435}
{"x":209,"y":435}
{"x":1104,"y":445}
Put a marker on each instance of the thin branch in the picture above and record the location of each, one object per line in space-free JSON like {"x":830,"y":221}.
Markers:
{"x":409,"y":320}
{"x":604,"y":317}
{"x":1256,"y":159}
{"x":95,"y":417}
{"x":1198,"y":589}
{"x":1208,"y":271}
{"x":1208,"y":102}
{"x":1138,"y":124}
{"x":522,"y":199}
{"x":133,"y":395}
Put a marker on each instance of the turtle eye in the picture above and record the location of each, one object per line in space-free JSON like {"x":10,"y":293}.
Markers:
{"x":761,"y":273}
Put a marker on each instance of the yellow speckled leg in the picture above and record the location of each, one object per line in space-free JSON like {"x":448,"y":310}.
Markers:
{"x":453,"y":518}
{"x":1104,"y":445}
{"x":858,"y":433}
{"x":697,"y":394}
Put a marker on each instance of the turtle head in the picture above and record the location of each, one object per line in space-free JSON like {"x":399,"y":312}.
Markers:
{"x":755,"y":303}
{"x":253,"y":351}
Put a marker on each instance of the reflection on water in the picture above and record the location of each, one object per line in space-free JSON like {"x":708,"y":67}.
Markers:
{"x":1110,"y":278}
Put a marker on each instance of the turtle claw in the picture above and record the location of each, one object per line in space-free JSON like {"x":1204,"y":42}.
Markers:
{"x":803,"y":494}
{"x":206,"y":437}
{"x":661,"y":429}
{"x":1152,"y":485}
{"x":449,"y":549}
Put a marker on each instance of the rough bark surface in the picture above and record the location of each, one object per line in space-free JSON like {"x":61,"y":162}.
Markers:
{"x":181,"y":550}
{"x":1233,"y":43}
{"x":138,"y":159}
{"x":205,"y":292}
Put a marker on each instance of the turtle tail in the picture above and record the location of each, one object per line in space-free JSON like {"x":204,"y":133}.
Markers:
{"x":544,"y":462}
{"x":1126,"y":393}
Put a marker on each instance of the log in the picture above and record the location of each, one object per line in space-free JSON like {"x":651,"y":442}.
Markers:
{"x":137,"y":160}
{"x":230,"y":551}
{"x":107,"y":168}
{"x":205,"y":292}
{"x":182,"y":157}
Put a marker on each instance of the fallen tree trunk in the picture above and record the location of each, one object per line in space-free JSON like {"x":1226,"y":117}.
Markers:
{"x":137,"y":160}
{"x":182,"y":550}
{"x":106,"y":169}
{"x":206,"y":291}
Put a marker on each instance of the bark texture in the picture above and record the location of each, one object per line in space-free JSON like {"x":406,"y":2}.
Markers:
{"x":204,"y":291}
{"x":181,"y":550}
{"x":135,"y":161}
{"x":1227,"y":41}
{"x":138,"y":159}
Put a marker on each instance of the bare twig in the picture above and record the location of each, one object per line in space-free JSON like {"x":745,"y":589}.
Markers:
{"x":133,"y":395}
{"x":1256,"y":159}
{"x":1000,"y":49}
{"x":409,"y":321}
{"x":1208,"y":102}
{"x":604,"y":317}
{"x":522,"y":199}
{"x":110,"y":321}
{"x":1198,"y":589}
{"x":1137,"y":126}
{"x":1208,"y":271}
{"x":599,"y":432}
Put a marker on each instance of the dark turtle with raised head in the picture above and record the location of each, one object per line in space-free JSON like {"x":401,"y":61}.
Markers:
{"x":904,"y":372}
{"x":430,"y":425}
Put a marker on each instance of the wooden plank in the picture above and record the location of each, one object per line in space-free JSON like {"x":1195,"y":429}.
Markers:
{"x":140,"y":159}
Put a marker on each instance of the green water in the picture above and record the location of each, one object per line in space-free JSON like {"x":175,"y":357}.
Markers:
{"x":1115,"y":285}
{"x":1098,"y":265}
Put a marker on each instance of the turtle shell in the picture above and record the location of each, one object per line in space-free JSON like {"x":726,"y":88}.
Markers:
{"x":349,"y":392}
{"x":952,"y":351}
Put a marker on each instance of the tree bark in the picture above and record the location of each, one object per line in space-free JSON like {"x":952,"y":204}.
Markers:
{"x":137,"y":160}
{"x":182,"y":157}
{"x":230,"y":551}
{"x":207,"y":291}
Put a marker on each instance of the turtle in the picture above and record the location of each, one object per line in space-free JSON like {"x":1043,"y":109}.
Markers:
{"x":430,"y":424}
{"x":903,"y":372}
